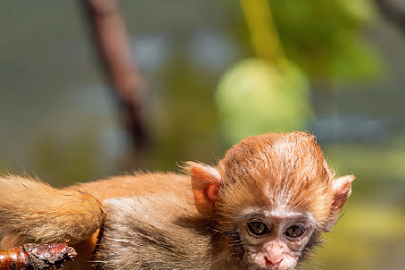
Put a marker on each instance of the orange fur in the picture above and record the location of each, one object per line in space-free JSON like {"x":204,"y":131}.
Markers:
{"x":273,"y":169}
{"x":135,"y":185}
{"x":272,"y":173}
{"x":38,"y":213}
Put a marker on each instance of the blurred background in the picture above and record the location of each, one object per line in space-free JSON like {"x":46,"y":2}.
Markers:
{"x":202,"y":75}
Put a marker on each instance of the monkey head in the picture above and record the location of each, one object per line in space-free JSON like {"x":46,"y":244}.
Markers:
{"x":272,"y":195}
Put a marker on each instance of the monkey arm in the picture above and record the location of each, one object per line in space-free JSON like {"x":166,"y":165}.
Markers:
{"x":32,"y":211}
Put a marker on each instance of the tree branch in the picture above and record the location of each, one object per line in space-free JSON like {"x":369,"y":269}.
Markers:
{"x":392,"y":13}
{"x":110,"y":37}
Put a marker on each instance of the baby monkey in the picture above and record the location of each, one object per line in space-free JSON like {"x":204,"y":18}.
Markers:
{"x":263,"y":207}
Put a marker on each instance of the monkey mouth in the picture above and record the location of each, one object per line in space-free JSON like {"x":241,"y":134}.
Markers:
{"x":273,"y":267}
{"x":257,"y":263}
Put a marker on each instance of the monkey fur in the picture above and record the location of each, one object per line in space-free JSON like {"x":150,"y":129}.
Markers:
{"x":263,"y":207}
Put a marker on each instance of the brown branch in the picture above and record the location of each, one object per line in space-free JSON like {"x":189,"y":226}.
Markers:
{"x":392,"y":13}
{"x":111,"y":40}
{"x":36,"y":257}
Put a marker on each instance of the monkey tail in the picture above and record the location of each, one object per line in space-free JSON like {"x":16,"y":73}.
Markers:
{"x":32,"y":211}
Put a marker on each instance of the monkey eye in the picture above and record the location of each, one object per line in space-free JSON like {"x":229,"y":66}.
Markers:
{"x":295,"y":231}
{"x":258,"y":228}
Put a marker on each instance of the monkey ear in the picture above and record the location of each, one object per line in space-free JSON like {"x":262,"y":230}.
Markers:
{"x":205,"y":181}
{"x":342,"y":188}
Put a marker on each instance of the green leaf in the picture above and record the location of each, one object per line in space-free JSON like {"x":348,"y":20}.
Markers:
{"x":354,"y":58}
{"x":325,"y":37}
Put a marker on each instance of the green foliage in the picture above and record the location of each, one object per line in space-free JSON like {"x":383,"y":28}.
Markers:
{"x":256,"y":97}
{"x":385,"y":161}
{"x":369,"y":235}
{"x":324,"y":37}
{"x":62,"y":163}
{"x":360,"y":239}
{"x":184,"y":118}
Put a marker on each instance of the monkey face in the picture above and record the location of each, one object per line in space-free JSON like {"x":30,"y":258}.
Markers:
{"x":275,"y":241}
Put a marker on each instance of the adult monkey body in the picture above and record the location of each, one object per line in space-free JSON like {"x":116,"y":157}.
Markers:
{"x":263,"y":207}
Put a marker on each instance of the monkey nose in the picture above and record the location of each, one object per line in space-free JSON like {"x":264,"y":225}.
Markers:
{"x":273,"y":259}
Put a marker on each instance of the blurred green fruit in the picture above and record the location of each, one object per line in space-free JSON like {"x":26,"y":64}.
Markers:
{"x":255,"y":97}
